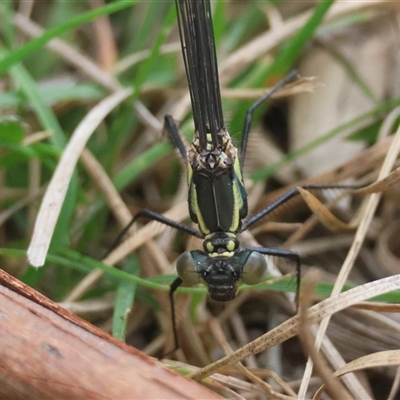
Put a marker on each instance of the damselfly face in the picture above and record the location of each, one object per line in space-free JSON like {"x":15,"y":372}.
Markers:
{"x":222,"y":275}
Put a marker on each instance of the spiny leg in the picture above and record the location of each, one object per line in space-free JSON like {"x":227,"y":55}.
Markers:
{"x":155,"y":217}
{"x":174,"y":285}
{"x":285,"y":198}
{"x":174,"y":136}
{"x":178,"y":281}
{"x":250,"y":112}
{"x":173,"y":133}
{"x":272,"y":207}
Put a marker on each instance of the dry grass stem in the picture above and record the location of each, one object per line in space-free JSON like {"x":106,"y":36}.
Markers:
{"x":334,"y":387}
{"x":370,"y":208}
{"x":316,"y":314}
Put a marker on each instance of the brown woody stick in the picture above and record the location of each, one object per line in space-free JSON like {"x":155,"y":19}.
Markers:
{"x":48,"y":353}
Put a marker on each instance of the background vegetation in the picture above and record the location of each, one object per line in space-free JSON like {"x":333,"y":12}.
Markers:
{"x":59,"y":60}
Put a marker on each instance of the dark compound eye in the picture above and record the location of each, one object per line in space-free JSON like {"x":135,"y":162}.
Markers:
{"x":187,"y":269}
{"x":255,"y":269}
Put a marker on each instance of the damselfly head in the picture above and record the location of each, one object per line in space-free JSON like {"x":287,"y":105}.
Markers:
{"x":222,"y":275}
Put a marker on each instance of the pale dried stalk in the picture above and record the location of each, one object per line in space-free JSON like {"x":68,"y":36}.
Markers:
{"x":290,"y":328}
{"x":57,"y":189}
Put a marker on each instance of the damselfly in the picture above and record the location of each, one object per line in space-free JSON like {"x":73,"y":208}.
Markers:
{"x":217,"y":197}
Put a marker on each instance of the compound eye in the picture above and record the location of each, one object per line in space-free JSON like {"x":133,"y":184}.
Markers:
{"x":255,"y":269}
{"x":187,"y":270}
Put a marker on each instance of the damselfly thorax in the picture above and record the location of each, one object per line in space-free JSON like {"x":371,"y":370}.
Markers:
{"x":217,"y":196}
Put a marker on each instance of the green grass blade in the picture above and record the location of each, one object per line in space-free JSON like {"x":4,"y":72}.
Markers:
{"x":265,"y":172}
{"x":295,"y":47}
{"x":352,"y":72}
{"x":140,"y":164}
{"x":75,"y":260}
{"x":124,"y":299}
{"x":148,"y":64}
{"x":43,"y":111}
{"x":19,"y":54}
